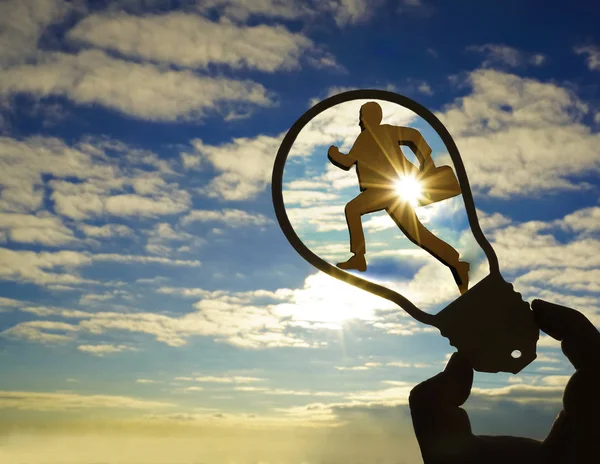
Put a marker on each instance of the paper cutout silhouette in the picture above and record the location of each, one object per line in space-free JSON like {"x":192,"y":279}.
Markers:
{"x":490,"y":324}
{"x":382,"y":168}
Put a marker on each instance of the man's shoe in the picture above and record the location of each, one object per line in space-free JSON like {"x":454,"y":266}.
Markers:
{"x":357,"y":262}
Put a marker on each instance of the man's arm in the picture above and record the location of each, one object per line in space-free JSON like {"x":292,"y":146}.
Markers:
{"x":413,"y":139}
{"x":340,"y":160}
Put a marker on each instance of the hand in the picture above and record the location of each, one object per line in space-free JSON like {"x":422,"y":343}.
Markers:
{"x":443,"y":428}
{"x":333,"y":151}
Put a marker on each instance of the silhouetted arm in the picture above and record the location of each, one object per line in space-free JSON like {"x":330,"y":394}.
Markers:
{"x":340,"y":160}
{"x":413,"y":139}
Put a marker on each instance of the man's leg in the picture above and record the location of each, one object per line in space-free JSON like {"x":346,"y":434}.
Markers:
{"x":406,"y":218}
{"x":369,"y":201}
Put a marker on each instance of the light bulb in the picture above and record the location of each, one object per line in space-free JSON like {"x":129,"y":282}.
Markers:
{"x":489,"y":323}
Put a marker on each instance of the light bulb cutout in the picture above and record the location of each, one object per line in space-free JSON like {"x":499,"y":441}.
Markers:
{"x":489,"y":323}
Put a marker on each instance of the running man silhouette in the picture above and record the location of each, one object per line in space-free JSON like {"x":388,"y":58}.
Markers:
{"x":380,"y":163}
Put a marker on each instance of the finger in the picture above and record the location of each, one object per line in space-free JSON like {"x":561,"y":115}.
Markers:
{"x":443,"y":428}
{"x":450,"y":388}
{"x":576,"y":431}
{"x":580,"y":338}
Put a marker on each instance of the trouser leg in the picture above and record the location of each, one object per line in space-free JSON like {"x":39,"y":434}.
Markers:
{"x":368,"y":201}
{"x":405,"y":217}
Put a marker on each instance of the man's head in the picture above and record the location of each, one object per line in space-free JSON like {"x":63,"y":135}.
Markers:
{"x":370,"y":115}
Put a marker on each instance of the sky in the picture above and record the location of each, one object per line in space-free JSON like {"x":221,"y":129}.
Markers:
{"x":151,"y":309}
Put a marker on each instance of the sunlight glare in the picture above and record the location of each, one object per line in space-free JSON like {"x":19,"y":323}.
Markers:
{"x":409,"y":189}
{"x":327,"y":303}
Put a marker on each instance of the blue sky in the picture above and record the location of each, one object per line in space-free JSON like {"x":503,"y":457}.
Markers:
{"x":150,"y":306}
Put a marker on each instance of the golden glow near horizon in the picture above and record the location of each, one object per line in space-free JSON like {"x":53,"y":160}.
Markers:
{"x":409,"y":189}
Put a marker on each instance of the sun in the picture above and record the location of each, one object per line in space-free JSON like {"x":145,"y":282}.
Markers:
{"x":410,"y":190}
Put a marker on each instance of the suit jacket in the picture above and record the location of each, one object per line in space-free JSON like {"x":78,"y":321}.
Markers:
{"x":378,"y":157}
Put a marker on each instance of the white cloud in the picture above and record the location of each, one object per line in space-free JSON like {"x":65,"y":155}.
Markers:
{"x":552,"y":269}
{"x":192,"y":41}
{"x":258,"y":328}
{"x":185,"y":292}
{"x":243,"y":319}
{"x":22,"y":23}
{"x":10,"y":303}
{"x":498,"y":54}
{"x":325,"y":300}
{"x":59,"y":401}
{"x":91,"y":299}
{"x":547,"y":358}
{"x":47,"y":268}
{"x":225,"y":379}
{"x":323,"y":218}
{"x":103,"y":349}
{"x":406,"y":364}
{"x":194,"y":388}
{"x":556,"y":380}
{"x":163,"y":236}
{"x":145,"y":381}
{"x":519,"y":393}
{"x":245,"y":164}
{"x":546,"y":341}
{"x":350,"y":11}
{"x":77,"y":201}
{"x":549,"y":369}
{"x":136,"y":205}
{"x":565,"y":278}
{"x":228,"y":217}
{"x":106,"y":230}
{"x":363,"y":367}
{"x":286,"y":392}
{"x":241,"y":10}
{"x":42,"y":331}
{"x":87,"y":199}
{"x":141,"y":90}
{"x":583,"y":221}
{"x":114,"y":257}
{"x":54,"y":311}
{"x":425,"y":88}
{"x":152,"y":280}
{"x":512,"y":131}
{"x":344,"y":12}
{"x":531,"y":245}
{"x":43,"y":229}
{"x":308,"y":197}
{"x":103,"y":170}
{"x":592,"y":54}
{"x":489,"y":222}
{"x":42,"y":268}
{"x":25,"y":161}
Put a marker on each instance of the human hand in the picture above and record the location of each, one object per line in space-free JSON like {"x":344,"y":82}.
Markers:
{"x":443,"y":428}
{"x":333,"y":151}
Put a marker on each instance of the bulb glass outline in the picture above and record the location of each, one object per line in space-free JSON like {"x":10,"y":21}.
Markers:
{"x":466,"y":309}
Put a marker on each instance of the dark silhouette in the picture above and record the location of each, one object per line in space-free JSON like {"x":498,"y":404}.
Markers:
{"x":443,"y":428}
{"x":490,"y":325}
{"x":382,"y":168}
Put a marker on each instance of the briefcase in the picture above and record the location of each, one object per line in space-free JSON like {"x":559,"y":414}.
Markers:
{"x":437,"y":184}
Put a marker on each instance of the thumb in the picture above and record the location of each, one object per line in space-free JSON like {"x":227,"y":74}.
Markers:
{"x":450,"y":388}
